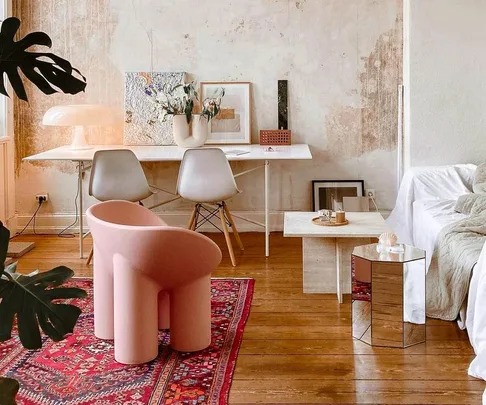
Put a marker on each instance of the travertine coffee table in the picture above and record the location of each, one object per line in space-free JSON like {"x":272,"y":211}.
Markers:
{"x":327,"y":249}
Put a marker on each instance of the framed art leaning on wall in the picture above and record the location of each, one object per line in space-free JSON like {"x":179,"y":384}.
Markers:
{"x":233,"y":123}
{"x":329,"y":194}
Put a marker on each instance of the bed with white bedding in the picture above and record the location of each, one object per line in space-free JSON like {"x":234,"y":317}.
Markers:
{"x":425,"y":205}
{"x":431,"y":190}
{"x":429,"y":217}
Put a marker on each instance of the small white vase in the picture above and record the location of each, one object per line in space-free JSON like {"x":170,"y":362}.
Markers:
{"x":182,"y":133}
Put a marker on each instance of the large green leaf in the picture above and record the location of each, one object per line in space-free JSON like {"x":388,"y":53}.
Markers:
{"x":8,"y":391}
{"x":30,"y":299}
{"x":47,"y":71}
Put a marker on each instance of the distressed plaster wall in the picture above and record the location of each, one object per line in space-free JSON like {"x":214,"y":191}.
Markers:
{"x":343,"y":60}
{"x":447,"y":119}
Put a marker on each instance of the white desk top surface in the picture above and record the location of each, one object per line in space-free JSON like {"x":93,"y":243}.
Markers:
{"x":361,"y":225}
{"x":175,"y":153}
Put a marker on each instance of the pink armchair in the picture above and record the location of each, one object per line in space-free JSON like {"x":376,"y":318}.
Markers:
{"x":149,"y":276}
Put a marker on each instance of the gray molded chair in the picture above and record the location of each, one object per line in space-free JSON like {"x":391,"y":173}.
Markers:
{"x":205,"y":177}
{"x":117,"y":174}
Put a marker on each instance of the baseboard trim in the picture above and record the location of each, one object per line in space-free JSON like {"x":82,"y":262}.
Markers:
{"x":55,"y":223}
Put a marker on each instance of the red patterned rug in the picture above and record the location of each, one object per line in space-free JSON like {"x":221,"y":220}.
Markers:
{"x":81,"y":370}
{"x":361,"y":290}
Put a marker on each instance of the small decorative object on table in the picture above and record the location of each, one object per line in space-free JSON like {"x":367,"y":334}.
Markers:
{"x":179,"y":101}
{"x":325,"y":218}
{"x":325,"y":215}
{"x":283,"y":104}
{"x":340,"y":217}
{"x":388,"y":242}
{"x":275,"y":137}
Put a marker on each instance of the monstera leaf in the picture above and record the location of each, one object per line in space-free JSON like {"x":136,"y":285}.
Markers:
{"x":30,"y":299}
{"x":8,"y":391}
{"x":44,"y":70}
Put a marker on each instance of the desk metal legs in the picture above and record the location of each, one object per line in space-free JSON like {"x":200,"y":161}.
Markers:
{"x":267,"y":190}
{"x":266,"y":224}
{"x":80,"y":213}
{"x":82,"y":169}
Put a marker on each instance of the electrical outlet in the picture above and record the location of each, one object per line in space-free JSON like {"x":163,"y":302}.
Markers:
{"x":371,"y":193}
{"x":42,"y":198}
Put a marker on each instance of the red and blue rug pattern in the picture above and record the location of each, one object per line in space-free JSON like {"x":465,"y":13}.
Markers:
{"x":360,"y":291}
{"x":81,"y":369}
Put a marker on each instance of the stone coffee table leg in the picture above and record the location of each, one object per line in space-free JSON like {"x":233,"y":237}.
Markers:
{"x":339,"y":279}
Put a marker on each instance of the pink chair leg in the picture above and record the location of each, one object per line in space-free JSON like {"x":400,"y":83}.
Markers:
{"x":103,"y":297}
{"x":136,"y":320}
{"x":164,"y":310}
{"x":190,"y":316}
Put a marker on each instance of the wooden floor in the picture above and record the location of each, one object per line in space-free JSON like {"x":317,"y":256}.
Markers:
{"x":297,"y":349}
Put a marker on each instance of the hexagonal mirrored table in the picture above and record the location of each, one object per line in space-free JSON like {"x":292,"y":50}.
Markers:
{"x":388,"y":296}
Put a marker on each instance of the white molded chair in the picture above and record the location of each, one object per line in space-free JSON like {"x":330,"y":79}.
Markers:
{"x":205,"y":177}
{"x":117,"y":174}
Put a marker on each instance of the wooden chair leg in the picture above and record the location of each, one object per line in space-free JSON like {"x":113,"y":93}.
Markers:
{"x":233,"y":226}
{"x":90,"y":257}
{"x":193,"y":219}
{"x":227,"y":235}
{"x":196,"y":218}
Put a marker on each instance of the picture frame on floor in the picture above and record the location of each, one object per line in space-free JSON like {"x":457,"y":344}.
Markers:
{"x":329,"y":194}
{"x":233,"y":123}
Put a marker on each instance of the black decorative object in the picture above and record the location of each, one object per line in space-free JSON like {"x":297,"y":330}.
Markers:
{"x":44,"y":70}
{"x":283,"y":109}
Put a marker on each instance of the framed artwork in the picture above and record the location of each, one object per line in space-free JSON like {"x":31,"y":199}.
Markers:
{"x":142,"y":123}
{"x":233,"y":123}
{"x":329,"y":194}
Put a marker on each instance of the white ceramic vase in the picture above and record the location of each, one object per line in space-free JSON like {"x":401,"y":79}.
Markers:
{"x":182,"y":131}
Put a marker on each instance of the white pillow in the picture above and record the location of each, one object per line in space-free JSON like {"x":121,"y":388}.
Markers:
{"x":479,"y":182}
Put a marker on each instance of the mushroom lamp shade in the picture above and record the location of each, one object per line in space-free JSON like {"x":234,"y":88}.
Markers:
{"x":79,"y":116}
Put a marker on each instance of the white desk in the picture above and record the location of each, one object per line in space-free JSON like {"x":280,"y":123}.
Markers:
{"x":174,"y":154}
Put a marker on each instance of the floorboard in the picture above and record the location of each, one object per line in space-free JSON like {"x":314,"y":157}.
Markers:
{"x":297,"y":348}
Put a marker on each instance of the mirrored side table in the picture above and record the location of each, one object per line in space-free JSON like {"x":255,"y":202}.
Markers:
{"x":388,"y":296}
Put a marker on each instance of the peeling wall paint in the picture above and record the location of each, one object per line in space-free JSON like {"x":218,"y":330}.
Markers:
{"x":80,"y":32}
{"x":342,"y":61}
{"x":300,"y":4}
{"x":354,"y":131}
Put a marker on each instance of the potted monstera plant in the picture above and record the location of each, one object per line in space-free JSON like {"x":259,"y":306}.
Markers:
{"x":34,"y":301}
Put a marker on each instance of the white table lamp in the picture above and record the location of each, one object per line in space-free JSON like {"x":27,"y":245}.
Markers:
{"x":79,"y":116}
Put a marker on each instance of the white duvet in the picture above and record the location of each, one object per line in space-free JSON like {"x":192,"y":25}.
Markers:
{"x":424,"y":206}
{"x":427,"y":184}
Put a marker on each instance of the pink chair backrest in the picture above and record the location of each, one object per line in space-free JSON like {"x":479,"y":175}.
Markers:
{"x":169,"y":255}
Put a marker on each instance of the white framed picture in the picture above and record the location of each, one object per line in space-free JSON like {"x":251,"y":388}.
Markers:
{"x":233,"y":123}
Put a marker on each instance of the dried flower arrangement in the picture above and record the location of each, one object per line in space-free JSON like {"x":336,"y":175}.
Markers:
{"x":181,"y":100}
